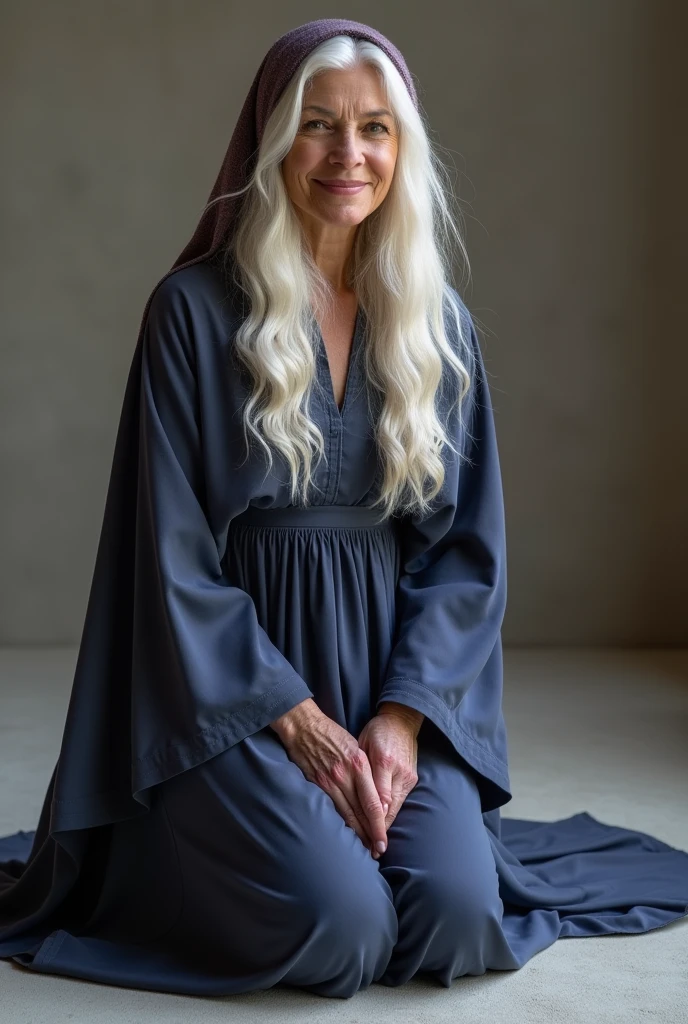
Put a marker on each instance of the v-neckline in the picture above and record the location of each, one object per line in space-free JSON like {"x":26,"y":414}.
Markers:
{"x":327,"y":373}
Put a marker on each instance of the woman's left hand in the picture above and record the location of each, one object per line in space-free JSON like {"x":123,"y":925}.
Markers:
{"x":390,"y":742}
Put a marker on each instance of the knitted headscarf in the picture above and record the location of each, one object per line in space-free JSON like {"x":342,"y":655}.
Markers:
{"x":279,"y":64}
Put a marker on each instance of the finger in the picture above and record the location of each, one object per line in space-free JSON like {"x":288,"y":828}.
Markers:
{"x":349,"y":791}
{"x":352,"y":798}
{"x":347,"y":813}
{"x":364,"y":801}
{"x":399,"y":794}
{"x":363,"y":827}
{"x":372,"y":807}
{"x":382,"y":779}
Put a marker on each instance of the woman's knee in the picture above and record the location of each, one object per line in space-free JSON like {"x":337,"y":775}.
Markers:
{"x":352,"y":929}
{"x":457,"y":903}
{"x":351,"y":901}
{"x":448,"y":927}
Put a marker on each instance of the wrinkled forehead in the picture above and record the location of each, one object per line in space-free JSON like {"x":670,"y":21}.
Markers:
{"x":352,"y":93}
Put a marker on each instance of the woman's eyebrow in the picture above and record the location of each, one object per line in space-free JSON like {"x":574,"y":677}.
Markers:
{"x":331,"y":113}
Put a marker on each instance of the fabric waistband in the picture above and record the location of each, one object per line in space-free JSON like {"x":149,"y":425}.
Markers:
{"x":315,"y":515}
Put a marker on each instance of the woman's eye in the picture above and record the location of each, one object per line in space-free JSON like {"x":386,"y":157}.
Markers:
{"x":375,"y":124}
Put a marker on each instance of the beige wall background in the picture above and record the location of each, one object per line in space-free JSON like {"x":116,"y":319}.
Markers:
{"x":565,"y":123}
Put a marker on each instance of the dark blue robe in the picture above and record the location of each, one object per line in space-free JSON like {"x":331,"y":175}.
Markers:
{"x":179,"y":848}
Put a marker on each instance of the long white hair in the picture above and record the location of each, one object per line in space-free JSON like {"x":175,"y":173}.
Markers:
{"x":400,"y":267}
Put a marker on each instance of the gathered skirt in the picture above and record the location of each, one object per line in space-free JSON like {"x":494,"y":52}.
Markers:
{"x":244,"y":875}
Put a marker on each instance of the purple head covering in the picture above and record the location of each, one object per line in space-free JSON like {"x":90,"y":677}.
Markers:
{"x":279,"y":64}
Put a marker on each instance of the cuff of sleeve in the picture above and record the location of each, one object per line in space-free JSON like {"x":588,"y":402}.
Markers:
{"x":224,"y":733}
{"x":415,"y":695}
{"x":423,"y":699}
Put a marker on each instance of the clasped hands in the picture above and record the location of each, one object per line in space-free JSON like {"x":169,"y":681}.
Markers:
{"x":390,"y":743}
{"x":368,"y":779}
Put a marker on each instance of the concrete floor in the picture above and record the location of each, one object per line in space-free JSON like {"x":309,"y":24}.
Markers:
{"x":603,"y":731}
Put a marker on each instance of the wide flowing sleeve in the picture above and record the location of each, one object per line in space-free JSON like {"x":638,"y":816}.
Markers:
{"x":192,"y":627}
{"x":173,"y":665}
{"x":446,"y":661}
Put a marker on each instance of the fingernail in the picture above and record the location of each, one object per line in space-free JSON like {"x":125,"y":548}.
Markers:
{"x":380,"y":846}
{"x":385,"y":808}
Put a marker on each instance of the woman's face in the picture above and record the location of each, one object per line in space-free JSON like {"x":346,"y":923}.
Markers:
{"x":346,"y":133}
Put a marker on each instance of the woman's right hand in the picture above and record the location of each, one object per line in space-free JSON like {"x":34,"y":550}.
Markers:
{"x":330,"y":756}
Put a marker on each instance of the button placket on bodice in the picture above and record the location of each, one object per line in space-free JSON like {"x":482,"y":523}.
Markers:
{"x":337,"y":419}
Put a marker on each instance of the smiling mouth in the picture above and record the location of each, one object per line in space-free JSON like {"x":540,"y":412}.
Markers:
{"x":342,"y":188}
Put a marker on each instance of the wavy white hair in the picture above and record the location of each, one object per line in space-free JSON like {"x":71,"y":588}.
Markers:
{"x":400,"y":266}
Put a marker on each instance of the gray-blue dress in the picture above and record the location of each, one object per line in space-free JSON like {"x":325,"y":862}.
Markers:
{"x":179,"y":848}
